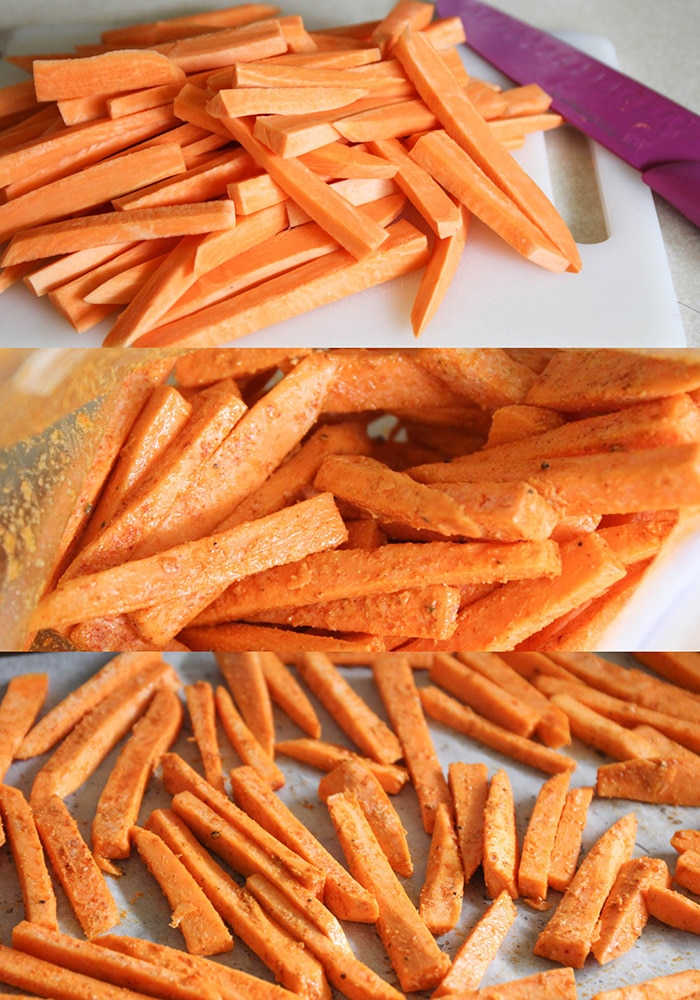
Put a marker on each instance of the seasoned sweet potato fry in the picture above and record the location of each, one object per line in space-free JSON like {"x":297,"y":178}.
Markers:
{"x":538,"y":842}
{"x":397,"y":688}
{"x":355,"y":777}
{"x":413,"y":951}
{"x":625,"y":913}
{"x":570,"y":931}
{"x":479,"y":948}
{"x":326,"y":756}
{"x":74,"y":867}
{"x":343,"y":896}
{"x":88,"y":958}
{"x":202,"y":710}
{"x":246,"y":682}
{"x":203,"y":929}
{"x":244,"y":741}
{"x":120,"y":800}
{"x":501,"y":848}
{"x":443,"y":889}
{"x":674,"y":781}
{"x":569,"y":834}
{"x":370,"y":733}
{"x":38,"y":896}
{"x":230,"y":983}
{"x":19,"y":707}
{"x":295,"y":969}
{"x":61,"y":719}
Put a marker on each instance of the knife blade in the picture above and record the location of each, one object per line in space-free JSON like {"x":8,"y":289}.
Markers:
{"x":655,"y":135}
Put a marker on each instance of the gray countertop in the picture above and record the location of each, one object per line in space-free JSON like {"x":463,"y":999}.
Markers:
{"x":655,"y":43}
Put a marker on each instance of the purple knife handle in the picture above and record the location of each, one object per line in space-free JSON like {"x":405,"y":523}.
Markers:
{"x":679,"y":184}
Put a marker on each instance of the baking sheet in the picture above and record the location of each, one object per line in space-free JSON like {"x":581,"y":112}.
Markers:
{"x":661,"y":950}
{"x":622,"y":297}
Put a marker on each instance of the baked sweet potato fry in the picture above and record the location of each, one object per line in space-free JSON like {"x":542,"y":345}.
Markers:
{"x":442,"y":891}
{"x":569,"y":834}
{"x":538,"y":842}
{"x":370,"y":733}
{"x":624,"y":914}
{"x":246,"y":682}
{"x":673,"y":781}
{"x":62,"y":717}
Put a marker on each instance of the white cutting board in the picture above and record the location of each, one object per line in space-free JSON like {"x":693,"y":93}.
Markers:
{"x":622,"y":297}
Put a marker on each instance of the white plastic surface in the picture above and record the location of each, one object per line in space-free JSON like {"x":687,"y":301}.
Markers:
{"x":622,"y":297}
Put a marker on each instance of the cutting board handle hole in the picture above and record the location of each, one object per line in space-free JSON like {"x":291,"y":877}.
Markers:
{"x":575,"y":187}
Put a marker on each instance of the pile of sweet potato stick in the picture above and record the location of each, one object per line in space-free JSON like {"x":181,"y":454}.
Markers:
{"x":201,"y":178}
{"x":296,"y":898}
{"x":516,"y":499}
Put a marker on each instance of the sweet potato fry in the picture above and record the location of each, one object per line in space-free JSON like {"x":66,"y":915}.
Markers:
{"x":442,"y":891}
{"x":674,"y":781}
{"x":353,"y":572}
{"x":229,"y":983}
{"x":482,"y":694}
{"x":686,"y":840}
{"x":288,"y":695}
{"x":479,"y":948}
{"x":61,"y":719}
{"x":290,"y":964}
{"x":244,"y":741}
{"x":468,"y":784}
{"x":370,"y":733}
{"x":344,"y":970}
{"x":538,"y":842}
{"x":38,"y":897}
{"x":501,"y":847}
{"x":552,"y":725}
{"x":202,"y":710}
{"x":202,"y":928}
{"x":687,"y":873}
{"x":673,"y":908}
{"x":448,"y":710}
{"x":121,"y":797}
{"x":624,"y":914}
{"x":397,"y":688}
{"x":412,"y":950}
{"x":246,"y":683}
{"x":569,"y":834}
{"x":142,"y":583}
{"x":98,"y":732}
{"x":90,"y":959}
{"x":602,"y":733}
{"x":613,"y":379}
{"x":553,"y":984}
{"x":343,"y":896}
{"x":75,"y":868}
{"x":241,"y":851}
{"x":19,"y":707}
{"x":570,"y":931}
{"x":630,"y":684}
{"x":355,"y":777}
{"x":325,"y":756}
{"x":673,"y":986}
{"x":682,"y":669}
{"x":25,"y":972}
